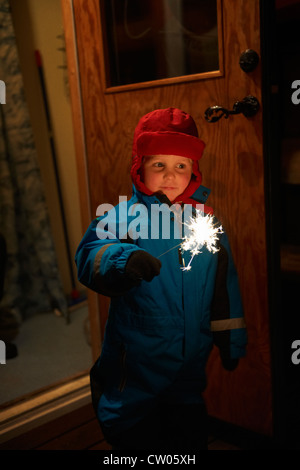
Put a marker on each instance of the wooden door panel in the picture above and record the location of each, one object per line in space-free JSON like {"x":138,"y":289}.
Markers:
{"x":232,"y":168}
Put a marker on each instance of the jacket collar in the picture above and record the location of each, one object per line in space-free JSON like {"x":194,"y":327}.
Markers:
{"x":200,"y":196}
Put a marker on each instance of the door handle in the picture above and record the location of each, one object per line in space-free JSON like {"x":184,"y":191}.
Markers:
{"x":248,"y":107}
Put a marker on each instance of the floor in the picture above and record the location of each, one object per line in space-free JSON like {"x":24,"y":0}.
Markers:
{"x":50,"y":349}
{"x":79,"y":431}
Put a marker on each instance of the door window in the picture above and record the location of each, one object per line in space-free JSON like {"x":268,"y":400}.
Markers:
{"x":153,"y":40}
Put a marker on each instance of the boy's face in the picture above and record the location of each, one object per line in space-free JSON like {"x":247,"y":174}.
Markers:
{"x":170,"y":174}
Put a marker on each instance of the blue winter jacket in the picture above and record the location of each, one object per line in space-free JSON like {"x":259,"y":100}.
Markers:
{"x":159,"y":334}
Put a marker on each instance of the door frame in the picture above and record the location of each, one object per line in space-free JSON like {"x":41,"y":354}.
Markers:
{"x":271,"y":144}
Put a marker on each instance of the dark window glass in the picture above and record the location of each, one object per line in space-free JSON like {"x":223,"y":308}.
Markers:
{"x":149,"y":40}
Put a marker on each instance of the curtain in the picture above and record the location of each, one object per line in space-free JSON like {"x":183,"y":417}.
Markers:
{"x":32,"y":280}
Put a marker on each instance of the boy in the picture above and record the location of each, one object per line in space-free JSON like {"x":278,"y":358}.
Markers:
{"x":147,"y":384}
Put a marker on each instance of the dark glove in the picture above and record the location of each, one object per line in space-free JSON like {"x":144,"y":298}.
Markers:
{"x":141,"y":265}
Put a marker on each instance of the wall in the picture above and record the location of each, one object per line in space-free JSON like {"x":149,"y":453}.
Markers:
{"x":38,"y":26}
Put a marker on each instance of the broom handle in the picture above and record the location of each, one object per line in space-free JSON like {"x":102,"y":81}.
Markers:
{"x":53,"y":152}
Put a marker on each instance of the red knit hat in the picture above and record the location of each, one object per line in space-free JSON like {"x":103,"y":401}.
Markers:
{"x":167,"y":131}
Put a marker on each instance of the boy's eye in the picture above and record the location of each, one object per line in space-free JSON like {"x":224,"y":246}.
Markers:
{"x":158,"y":164}
{"x":181,"y":165}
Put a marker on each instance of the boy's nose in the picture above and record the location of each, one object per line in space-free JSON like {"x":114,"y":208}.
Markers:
{"x":169,"y":174}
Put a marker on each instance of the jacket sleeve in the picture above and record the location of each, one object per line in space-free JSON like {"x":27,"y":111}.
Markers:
{"x":227,"y":318}
{"x":101,"y":259}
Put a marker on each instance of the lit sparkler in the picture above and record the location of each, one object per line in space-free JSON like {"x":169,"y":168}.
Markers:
{"x":202,"y":231}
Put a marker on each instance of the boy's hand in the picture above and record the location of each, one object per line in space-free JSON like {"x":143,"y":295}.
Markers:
{"x":141,"y":265}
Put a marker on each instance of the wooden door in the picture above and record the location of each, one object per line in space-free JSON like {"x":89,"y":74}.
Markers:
{"x":232,"y":167}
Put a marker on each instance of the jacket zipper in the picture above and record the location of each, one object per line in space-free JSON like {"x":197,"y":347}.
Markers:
{"x":181,"y":262}
{"x":123,"y":369}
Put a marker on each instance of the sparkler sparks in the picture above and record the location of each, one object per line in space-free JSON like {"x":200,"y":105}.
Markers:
{"x":202,"y":231}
